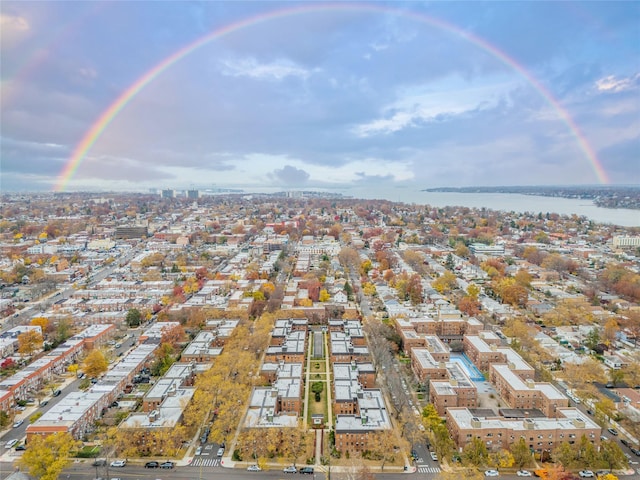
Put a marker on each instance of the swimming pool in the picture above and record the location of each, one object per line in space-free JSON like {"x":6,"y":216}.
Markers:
{"x":468,"y":366}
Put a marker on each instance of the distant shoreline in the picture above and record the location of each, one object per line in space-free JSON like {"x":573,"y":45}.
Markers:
{"x":614,"y":197}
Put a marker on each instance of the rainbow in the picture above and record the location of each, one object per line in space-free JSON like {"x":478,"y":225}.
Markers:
{"x":123,"y":100}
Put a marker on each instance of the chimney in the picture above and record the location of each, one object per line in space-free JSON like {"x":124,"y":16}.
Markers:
{"x":529,"y":424}
{"x":530,"y":383}
{"x":578,"y":422}
{"x":475,"y":422}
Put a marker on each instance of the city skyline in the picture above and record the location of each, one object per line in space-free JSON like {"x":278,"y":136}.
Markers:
{"x":125,"y":96}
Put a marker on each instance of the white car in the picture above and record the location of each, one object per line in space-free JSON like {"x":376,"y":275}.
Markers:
{"x":523,"y":473}
{"x":434,"y":457}
{"x":491,"y":473}
{"x":118,"y":463}
{"x":254,"y":468}
{"x":586,"y":474}
{"x":11,"y":443}
{"x":18,"y":423}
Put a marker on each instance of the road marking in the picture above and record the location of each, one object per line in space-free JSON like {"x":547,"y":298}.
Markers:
{"x":205,"y":462}
{"x":428,"y":469}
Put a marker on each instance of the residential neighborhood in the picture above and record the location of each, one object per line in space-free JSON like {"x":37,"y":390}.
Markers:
{"x":349,"y":337}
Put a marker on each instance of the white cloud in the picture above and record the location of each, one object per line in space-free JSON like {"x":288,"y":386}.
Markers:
{"x":615,"y":85}
{"x":417,"y":106}
{"x":250,"y":67}
{"x":14,"y":23}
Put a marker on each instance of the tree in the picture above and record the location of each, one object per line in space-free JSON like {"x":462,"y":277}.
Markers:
{"x":95,"y":363}
{"x":41,"y":322}
{"x":593,"y":338}
{"x":29,"y":342}
{"x":586,"y":454}
{"x":324,"y":296}
{"x":564,"y":455}
{"x":63,"y":329}
{"x":612,"y":456}
{"x":48,"y":456}
{"x":317,"y":388}
{"x":501,"y":459}
{"x":445,"y":282}
{"x":522,"y":456}
{"x":133,"y":318}
{"x":475,"y":453}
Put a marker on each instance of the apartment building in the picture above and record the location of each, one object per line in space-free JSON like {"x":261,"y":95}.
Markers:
{"x":456,"y":391}
{"x":526,"y":394}
{"x":352,"y":431}
{"x":541,"y":434}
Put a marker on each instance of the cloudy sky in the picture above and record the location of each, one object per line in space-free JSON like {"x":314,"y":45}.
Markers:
{"x":313,"y":95}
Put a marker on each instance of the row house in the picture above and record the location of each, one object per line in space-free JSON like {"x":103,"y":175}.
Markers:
{"x":540,"y":434}
{"x":77,"y":412}
{"x":31,"y":378}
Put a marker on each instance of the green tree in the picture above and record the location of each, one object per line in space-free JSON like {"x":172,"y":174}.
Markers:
{"x":593,"y":338}
{"x":564,"y":455}
{"x":442,"y":441}
{"x":133,"y":318}
{"x":317,"y":388}
{"x":522,"y":456}
{"x":48,"y":456}
{"x":586,"y":454}
{"x":612,"y":456}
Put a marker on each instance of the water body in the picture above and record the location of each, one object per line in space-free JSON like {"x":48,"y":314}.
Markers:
{"x":507,"y":202}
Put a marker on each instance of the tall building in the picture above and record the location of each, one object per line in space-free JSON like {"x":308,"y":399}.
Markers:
{"x":193,"y":194}
{"x":168,"y":193}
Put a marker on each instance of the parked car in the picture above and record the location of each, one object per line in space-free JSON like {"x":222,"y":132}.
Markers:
{"x":523,"y":473}
{"x":586,"y":474}
{"x":612,"y":431}
{"x":254,"y":468}
{"x":44,"y":403}
{"x":198,"y":450}
{"x":21,"y":448}
{"x":491,"y":473}
{"x":290,"y":469}
{"x":167,"y":465}
{"x":99,"y":462}
{"x":11,"y":443}
{"x":434,"y":457}
{"x":118,"y":463}
{"x":306,"y":470}
{"x":17,"y":423}
{"x":151,"y":465}
{"x":57,"y":393}
{"x":220,"y":452}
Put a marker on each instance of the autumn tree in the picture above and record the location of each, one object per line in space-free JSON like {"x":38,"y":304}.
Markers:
{"x":445,"y":282}
{"x":48,"y":456}
{"x":29,"y":342}
{"x":475,"y":453}
{"x":95,"y":363}
{"x":41,"y":322}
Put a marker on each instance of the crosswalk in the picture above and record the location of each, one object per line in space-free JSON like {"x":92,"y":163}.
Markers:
{"x":428,"y":469}
{"x":205,"y":462}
